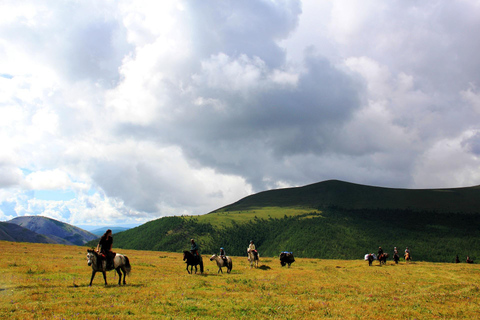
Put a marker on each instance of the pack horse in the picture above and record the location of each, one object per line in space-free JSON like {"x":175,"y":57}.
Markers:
{"x":99,"y":264}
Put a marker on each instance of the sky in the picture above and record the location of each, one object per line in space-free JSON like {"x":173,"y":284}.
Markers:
{"x":122,"y":112}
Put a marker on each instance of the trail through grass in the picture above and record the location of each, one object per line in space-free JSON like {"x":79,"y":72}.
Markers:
{"x":39,"y":281}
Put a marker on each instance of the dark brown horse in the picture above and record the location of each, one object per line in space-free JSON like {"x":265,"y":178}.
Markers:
{"x":192,"y":261}
{"x":383,"y":258}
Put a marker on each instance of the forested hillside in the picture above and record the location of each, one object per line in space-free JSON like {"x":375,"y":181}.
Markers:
{"x":330,"y":230}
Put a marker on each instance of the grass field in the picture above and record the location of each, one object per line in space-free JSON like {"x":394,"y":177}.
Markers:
{"x":224,"y":218}
{"x":39,"y":281}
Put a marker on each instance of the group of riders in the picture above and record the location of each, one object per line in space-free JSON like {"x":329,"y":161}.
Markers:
{"x":104,"y":249}
{"x":194,"y":250}
{"x":380,"y":254}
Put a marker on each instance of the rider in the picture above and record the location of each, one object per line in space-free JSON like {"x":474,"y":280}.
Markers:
{"x":380,"y":251}
{"x":105,"y":248}
{"x":223,"y":255}
{"x":395,"y":255}
{"x":194,"y":249}
{"x":251,"y":247}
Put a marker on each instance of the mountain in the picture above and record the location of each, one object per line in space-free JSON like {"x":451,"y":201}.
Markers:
{"x":330,"y":219}
{"x":59,"y":231}
{"x":355,"y":196}
{"x":15,"y":233}
{"x":100,"y":231}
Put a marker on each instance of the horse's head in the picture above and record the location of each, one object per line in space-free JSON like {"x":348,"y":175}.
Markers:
{"x":213,"y":257}
{"x":185,"y":255}
{"x":91,"y":255}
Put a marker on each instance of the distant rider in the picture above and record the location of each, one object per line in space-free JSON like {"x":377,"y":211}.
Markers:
{"x":396,"y":257}
{"x":380,"y":251}
{"x":194,"y":249}
{"x":251,"y":248}
{"x":104,"y":247}
{"x":223,"y":255}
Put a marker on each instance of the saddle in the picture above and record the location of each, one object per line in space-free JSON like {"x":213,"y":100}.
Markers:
{"x":110,"y":263}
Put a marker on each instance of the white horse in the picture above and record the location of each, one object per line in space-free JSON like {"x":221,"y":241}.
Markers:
{"x":120,"y":262}
{"x":221,"y":263}
{"x":252,"y":258}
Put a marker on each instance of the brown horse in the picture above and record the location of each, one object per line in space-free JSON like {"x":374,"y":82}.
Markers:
{"x":192,"y":261}
{"x":120,"y":263}
{"x":407,"y":257}
{"x":383,"y":258}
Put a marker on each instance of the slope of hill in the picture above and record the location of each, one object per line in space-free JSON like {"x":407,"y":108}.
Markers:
{"x":331,"y":219}
{"x":59,"y":231}
{"x":15,"y":233}
{"x":334,"y":193}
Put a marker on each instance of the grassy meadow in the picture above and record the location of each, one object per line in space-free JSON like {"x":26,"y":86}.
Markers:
{"x":44,"y":281}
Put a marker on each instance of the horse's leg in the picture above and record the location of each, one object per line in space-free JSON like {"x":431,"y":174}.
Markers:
{"x":119,"y":276}
{"x":195,"y":269}
{"x":104,"y":276}
{"x":93,"y":276}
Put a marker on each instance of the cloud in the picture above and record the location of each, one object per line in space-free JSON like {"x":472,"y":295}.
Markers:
{"x":133,"y":110}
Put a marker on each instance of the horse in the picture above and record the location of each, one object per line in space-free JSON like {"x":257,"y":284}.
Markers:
{"x":396,"y":258}
{"x":407,"y":257}
{"x":252,"y":258}
{"x":120,"y":264}
{"x":193,"y":261}
{"x":383,"y":258}
{"x":286,"y":258}
{"x":221,"y":263}
{"x":370,"y":257}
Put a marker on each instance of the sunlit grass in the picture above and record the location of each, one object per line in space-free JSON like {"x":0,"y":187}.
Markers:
{"x":222,"y":218}
{"x":39,"y":281}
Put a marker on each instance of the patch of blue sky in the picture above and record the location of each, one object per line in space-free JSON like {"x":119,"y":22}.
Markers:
{"x":54,"y":195}
{"x":8,"y":208}
{"x":6,"y":75}
{"x":26,"y":171}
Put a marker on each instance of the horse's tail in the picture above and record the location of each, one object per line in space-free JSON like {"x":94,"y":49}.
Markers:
{"x":128,"y":267}
{"x":201,"y":265}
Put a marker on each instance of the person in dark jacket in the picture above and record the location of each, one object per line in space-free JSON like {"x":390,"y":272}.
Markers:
{"x":194,"y":249}
{"x":104,"y":247}
{"x":380,"y":251}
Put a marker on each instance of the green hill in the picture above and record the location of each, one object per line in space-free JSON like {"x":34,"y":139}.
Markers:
{"x":330,"y":219}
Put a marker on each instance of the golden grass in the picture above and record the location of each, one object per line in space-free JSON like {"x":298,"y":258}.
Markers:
{"x":39,"y":281}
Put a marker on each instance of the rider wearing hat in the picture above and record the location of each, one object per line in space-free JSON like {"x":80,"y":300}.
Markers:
{"x":223,"y":255}
{"x":194,"y":249}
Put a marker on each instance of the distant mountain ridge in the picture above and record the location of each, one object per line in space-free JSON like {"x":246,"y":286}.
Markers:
{"x":16,"y":233}
{"x":100,"y":231}
{"x":60,"y":232}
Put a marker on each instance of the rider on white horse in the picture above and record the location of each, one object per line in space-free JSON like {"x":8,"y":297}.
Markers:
{"x":105,"y":248}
